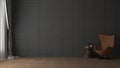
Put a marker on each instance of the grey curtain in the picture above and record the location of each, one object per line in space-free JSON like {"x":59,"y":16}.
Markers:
{"x":5,"y":41}
{"x":2,"y":30}
{"x":9,"y":28}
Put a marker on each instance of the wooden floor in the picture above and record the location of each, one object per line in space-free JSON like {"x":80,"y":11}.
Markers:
{"x":73,"y":62}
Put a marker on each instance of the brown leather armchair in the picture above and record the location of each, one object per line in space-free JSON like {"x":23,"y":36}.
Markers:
{"x":107,"y":44}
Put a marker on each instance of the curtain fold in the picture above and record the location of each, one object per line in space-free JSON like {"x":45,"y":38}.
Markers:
{"x":5,"y":41}
{"x":9,"y":28}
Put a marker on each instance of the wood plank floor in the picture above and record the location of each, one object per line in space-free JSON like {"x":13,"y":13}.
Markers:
{"x":71,"y":62}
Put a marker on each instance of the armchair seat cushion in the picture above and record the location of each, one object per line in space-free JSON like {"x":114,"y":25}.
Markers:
{"x":102,"y":52}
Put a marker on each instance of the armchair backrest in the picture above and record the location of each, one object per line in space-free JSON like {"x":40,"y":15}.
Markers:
{"x":106,"y":40}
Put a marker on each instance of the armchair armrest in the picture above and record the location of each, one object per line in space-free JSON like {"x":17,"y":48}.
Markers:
{"x":97,"y":48}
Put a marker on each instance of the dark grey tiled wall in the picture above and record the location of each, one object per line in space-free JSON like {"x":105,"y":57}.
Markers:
{"x":59,"y":27}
